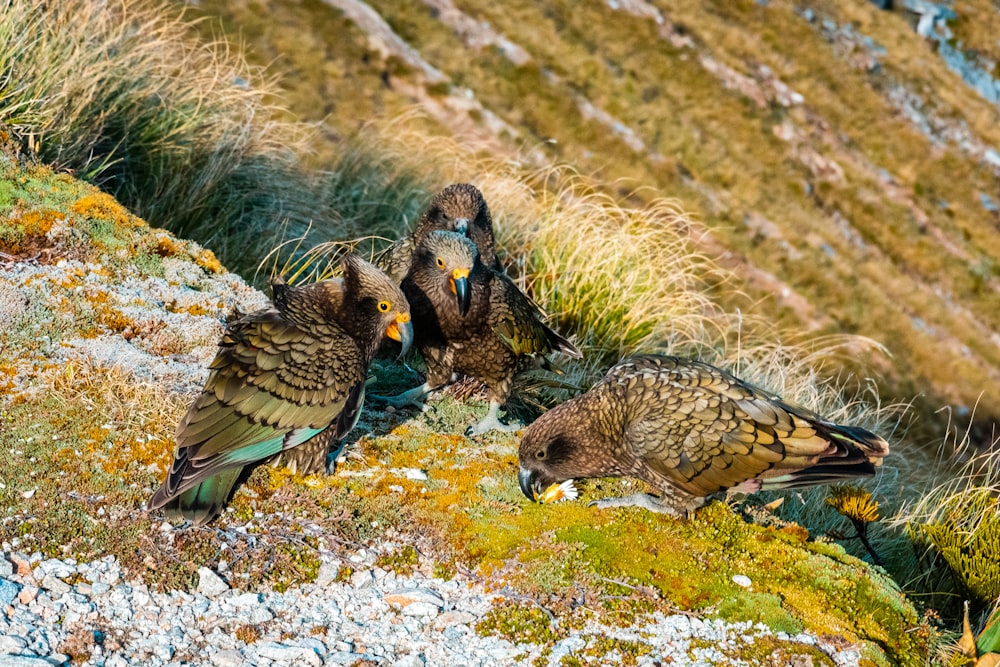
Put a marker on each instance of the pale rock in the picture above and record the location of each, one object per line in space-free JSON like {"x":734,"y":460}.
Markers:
{"x":412,"y":660}
{"x":21,"y":563}
{"x":12,"y":644}
{"x":245,"y":600}
{"x":362,"y":579}
{"x":23,"y":661}
{"x":27,"y":594}
{"x":231,"y":658}
{"x":210,"y":584}
{"x":6,"y":567}
{"x":742,"y":580}
{"x":451,"y":618}
{"x":420,"y":609}
{"x":405,"y":597}
{"x":328,"y":572}
{"x":55,"y":567}
{"x":57,"y":586}
{"x":292,"y":655}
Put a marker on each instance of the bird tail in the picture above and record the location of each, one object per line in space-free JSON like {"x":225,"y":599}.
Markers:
{"x":561,"y":344}
{"x":854,"y":452}
{"x":203,"y":502}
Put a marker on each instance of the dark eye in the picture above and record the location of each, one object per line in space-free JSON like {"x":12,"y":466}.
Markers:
{"x":384,"y":306}
{"x":440,"y":263}
{"x":540,"y":454}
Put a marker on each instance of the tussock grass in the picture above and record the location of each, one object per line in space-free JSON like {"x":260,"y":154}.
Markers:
{"x":957,"y":523}
{"x":183,"y":133}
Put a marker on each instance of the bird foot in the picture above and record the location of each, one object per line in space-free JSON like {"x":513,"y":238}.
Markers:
{"x":643,"y":500}
{"x":411,"y":398}
{"x":491,"y":422}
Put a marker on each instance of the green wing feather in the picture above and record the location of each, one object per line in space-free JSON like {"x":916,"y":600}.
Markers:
{"x":272,"y":388}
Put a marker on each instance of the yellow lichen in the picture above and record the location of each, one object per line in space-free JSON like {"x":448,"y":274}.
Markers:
{"x":102,"y":206}
{"x":206,"y":259}
{"x":168,"y":246}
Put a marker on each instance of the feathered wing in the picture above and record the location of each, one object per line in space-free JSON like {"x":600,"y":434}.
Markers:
{"x":703,"y":431}
{"x":395,"y":261}
{"x":272,"y":388}
{"x":311,"y":457}
{"x":519,"y":322}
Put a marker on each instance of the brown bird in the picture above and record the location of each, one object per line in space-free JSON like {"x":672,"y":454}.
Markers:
{"x":458,"y":208}
{"x":470,"y":319}
{"x":287,"y":380}
{"x":689,"y":430}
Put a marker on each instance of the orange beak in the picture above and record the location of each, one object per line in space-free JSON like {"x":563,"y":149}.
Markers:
{"x":401,"y":330}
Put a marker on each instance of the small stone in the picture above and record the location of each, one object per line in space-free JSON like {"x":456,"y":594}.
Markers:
{"x":227,"y":659}
{"x":20,"y":561}
{"x":163,"y":651}
{"x":362,"y":579}
{"x":27,"y":594}
{"x":245,"y":600}
{"x":420,"y":609}
{"x":6,"y":568}
{"x":56,"y":567}
{"x":293,"y":655}
{"x":742,"y":580}
{"x":261,"y":614}
{"x":210,"y":584}
{"x":12,"y":644}
{"x":57,"y":586}
{"x":405,"y":597}
{"x":412,"y":660}
{"x":23,"y":661}
{"x":8,"y":592}
{"x":328,"y":572}
{"x":58,"y":659}
{"x":451,"y":618}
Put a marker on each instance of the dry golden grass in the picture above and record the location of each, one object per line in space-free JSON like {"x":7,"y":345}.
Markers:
{"x":184,"y":133}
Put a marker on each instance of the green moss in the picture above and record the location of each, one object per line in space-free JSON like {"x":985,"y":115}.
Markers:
{"x":615,"y":651}
{"x":517,"y":622}
{"x":401,"y":562}
{"x":759,"y":608}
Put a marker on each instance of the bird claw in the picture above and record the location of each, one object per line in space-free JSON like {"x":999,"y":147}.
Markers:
{"x":492,"y":423}
{"x":410,"y":398}
{"x":643,"y":500}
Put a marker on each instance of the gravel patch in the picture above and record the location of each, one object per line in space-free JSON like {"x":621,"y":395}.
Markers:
{"x":92,"y":616}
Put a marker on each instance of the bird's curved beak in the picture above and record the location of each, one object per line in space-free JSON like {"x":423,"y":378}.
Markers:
{"x":462,"y":225}
{"x":401,"y":330}
{"x":460,"y":288}
{"x":526,"y":480}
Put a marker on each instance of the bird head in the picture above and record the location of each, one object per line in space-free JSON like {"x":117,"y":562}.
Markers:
{"x":562,"y":444}
{"x":449,"y":258}
{"x":375,"y":299}
{"x":461,"y":208}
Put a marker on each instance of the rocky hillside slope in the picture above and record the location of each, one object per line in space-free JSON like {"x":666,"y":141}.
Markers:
{"x":844,"y":157}
{"x":420,"y":550}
